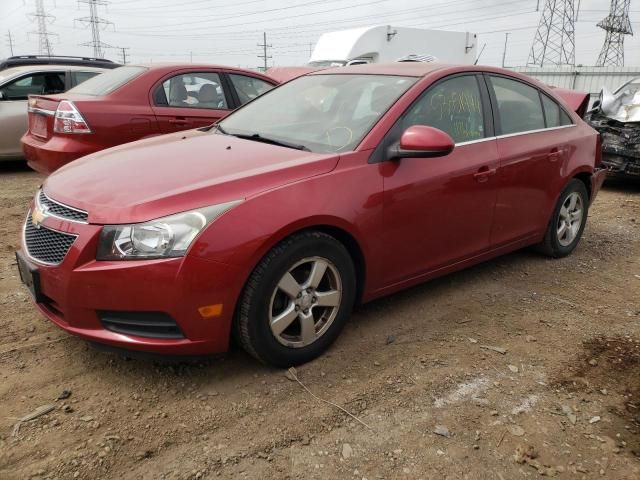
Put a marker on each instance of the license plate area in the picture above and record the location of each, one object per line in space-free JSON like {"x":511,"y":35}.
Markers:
{"x":39,"y":125}
{"x":30,"y":277}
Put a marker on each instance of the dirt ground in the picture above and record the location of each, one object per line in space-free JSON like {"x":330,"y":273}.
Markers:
{"x":562,"y":400}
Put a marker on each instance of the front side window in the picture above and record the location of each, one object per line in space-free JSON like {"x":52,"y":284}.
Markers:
{"x":44,"y":83}
{"x":519,"y":106}
{"x":192,"y":90}
{"x":453,"y":106}
{"x":248,"y":88}
{"x":322,"y":113}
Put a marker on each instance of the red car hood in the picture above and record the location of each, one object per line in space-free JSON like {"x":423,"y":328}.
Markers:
{"x":160,"y":176}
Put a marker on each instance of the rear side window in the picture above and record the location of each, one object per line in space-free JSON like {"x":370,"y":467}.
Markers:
{"x":519,"y":106}
{"x":43,"y":83}
{"x":192,"y":90}
{"x":248,"y":88}
{"x":551,"y":111}
{"x":81,"y":77}
{"x":107,"y":82}
{"x":453,"y":106}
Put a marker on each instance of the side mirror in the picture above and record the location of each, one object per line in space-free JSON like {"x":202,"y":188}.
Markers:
{"x":596,"y":105}
{"x":420,"y":141}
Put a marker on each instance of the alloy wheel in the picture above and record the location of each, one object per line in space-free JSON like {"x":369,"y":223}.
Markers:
{"x":305,"y":302}
{"x":570,"y":219}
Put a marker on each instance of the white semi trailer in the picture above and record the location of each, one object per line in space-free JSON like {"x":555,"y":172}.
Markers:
{"x":385,"y":43}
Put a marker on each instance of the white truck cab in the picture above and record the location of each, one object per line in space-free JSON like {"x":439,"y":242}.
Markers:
{"x":384,"y":44}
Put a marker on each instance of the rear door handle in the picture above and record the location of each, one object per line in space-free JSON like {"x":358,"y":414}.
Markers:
{"x":179,"y":121}
{"x":484,"y":173}
{"x":554,"y":155}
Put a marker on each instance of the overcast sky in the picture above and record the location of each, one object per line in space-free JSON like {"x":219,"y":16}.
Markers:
{"x":227,"y":32}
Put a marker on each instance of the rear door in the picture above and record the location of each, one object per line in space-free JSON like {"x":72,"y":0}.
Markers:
{"x":13,"y":105}
{"x":533,"y":146}
{"x":190,"y":99}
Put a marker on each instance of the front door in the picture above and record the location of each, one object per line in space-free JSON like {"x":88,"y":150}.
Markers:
{"x":439,"y":211}
{"x":190,"y":100}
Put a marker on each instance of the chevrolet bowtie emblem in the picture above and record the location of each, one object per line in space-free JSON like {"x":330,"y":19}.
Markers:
{"x":38,"y":215}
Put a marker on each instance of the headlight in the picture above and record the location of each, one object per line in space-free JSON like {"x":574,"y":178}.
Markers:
{"x":161,"y":238}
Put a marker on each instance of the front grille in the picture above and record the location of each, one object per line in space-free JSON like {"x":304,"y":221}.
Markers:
{"x":141,"y":324}
{"x":46,"y":245}
{"x":60,"y":210}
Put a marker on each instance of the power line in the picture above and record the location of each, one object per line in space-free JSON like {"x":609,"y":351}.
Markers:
{"x":42,"y":18}
{"x":97,"y":23}
{"x":617,"y":25}
{"x":554,"y":42}
{"x":264,"y":55}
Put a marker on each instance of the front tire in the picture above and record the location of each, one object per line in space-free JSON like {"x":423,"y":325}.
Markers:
{"x":297,"y":300}
{"x":567,"y":222}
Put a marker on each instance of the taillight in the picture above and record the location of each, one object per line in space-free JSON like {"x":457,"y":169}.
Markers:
{"x":69,"y":120}
{"x":598,"y":161}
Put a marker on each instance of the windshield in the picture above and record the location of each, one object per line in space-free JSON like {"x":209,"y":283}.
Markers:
{"x":108,"y":82}
{"x":321,"y":113}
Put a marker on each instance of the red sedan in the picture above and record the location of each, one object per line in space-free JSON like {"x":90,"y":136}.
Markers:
{"x":131,"y":103}
{"x":336,"y":188}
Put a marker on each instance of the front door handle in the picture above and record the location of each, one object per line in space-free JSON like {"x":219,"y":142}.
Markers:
{"x":179,"y":121}
{"x":483,"y":174}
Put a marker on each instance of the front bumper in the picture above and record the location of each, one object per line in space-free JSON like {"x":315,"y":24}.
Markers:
{"x":75,"y":291}
{"x":47,"y":156}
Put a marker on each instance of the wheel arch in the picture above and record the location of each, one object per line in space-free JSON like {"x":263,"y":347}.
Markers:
{"x":335,"y":227}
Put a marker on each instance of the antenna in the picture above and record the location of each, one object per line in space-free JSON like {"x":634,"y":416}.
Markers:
{"x":42,"y":18}
{"x":617,"y":25}
{"x":96,"y":24}
{"x":264,"y":55}
{"x":554,"y":42}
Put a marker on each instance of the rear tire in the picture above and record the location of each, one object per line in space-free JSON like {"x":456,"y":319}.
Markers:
{"x":567,"y":221}
{"x":297,"y":300}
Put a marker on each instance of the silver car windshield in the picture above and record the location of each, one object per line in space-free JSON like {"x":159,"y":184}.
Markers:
{"x":319,"y":113}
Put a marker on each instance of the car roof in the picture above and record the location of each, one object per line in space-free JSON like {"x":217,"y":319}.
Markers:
{"x":168,"y":67}
{"x":20,"y":60}
{"x":10,"y":72}
{"x":413,"y":69}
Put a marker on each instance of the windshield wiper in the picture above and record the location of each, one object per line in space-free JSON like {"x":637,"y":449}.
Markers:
{"x":256,"y":137}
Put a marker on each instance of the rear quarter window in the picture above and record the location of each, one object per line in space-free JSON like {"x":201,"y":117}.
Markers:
{"x":108,"y":82}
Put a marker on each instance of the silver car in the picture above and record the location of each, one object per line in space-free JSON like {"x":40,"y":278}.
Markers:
{"x":17,"y":83}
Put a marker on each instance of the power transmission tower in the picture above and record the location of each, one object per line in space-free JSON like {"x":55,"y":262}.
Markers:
{"x":42,"y":18}
{"x":96,"y":24}
{"x":10,"y":42}
{"x":264,"y":55}
{"x":617,"y":25}
{"x":554,"y":42}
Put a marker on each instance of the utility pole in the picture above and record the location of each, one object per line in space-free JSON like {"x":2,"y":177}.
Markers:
{"x":555,"y":40}
{"x":10,"y":42}
{"x":504,"y":52}
{"x":96,"y":24}
{"x":124,"y":54}
{"x":42,"y":18}
{"x":264,"y":55}
{"x":617,"y":25}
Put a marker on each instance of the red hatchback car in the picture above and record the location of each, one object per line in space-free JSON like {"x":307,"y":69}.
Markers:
{"x":131,"y":103}
{"x":335,"y":188}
